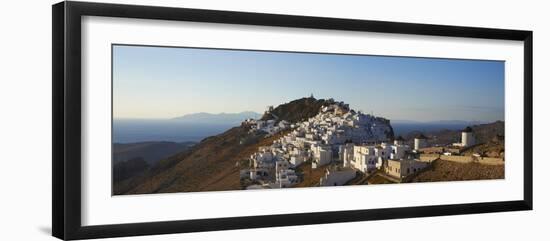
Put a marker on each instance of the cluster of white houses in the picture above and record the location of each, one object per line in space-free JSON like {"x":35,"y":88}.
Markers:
{"x":367,"y":158}
{"x":350,"y":141}
{"x":269,"y":126}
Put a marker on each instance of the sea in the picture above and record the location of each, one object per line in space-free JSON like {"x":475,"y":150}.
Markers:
{"x":129,"y":131}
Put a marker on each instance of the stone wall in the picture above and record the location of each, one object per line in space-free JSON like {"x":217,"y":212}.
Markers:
{"x":428,"y":157}
{"x":491,"y":160}
{"x":463,"y":159}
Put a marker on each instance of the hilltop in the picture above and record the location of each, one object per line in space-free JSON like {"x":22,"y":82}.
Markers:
{"x":297,"y":110}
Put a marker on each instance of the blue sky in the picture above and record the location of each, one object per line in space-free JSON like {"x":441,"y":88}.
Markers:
{"x":164,"y":82}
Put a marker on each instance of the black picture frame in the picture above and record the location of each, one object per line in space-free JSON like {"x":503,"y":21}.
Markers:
{"x":66,"y":75}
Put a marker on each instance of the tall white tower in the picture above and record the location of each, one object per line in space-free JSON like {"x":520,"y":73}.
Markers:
{"x":420,"y":142}
{"x":468,"y":138}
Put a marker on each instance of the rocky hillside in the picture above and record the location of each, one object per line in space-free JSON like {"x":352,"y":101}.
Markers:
{"x":297,"y":110}
{"x":491,"y":148}
{"x":151,"y":151}
{"x":133,"y":160}
{"x":210,"y":165}
{"x":123,"y":170}
{"x":486,"y":132}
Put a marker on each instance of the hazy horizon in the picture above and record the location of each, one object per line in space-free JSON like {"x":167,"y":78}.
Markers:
{"x":165,"y":83}
{"x":393,"y":120}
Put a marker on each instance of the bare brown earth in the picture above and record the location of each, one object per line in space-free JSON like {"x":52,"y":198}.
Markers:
{"x":211,"y":165}
{"x":452,"y":171}
{"x":151,"y":151}
{"x":493,"y":148}
{"x":379,"y":179}
{"x":311,"y":177}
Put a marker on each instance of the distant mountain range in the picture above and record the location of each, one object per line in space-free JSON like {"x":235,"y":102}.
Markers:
{"x":221,"y":118}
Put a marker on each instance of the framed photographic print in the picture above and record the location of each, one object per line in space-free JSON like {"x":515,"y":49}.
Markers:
{"x":170,"y":120}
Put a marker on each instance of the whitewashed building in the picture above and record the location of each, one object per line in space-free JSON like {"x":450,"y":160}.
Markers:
{"x":286,"y":178}
{"x":420,"y":142}
{"x":399,"y":151}
{"x":468,"y":138}
{"x":364,"y":158}
{"x":345,"y":154}
{"x":337,"y":176}
{"x":405,"y":167}
{"x":322,"y":155}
